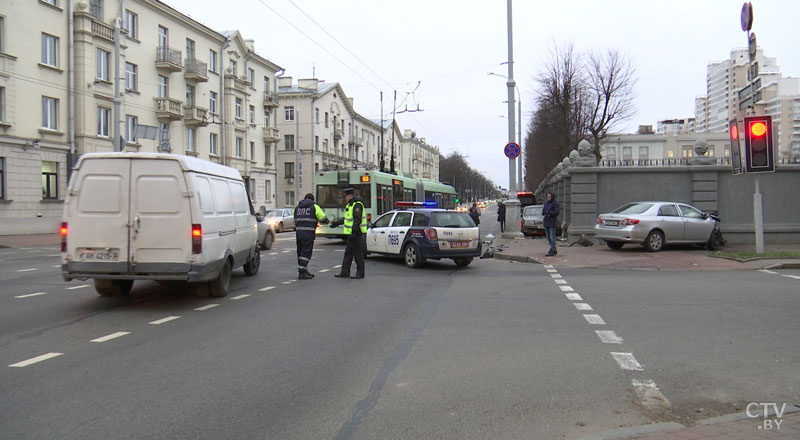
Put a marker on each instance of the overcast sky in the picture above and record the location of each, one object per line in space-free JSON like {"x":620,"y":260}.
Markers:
{"x":442,"y":50}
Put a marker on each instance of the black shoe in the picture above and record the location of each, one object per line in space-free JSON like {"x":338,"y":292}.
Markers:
{"x":342,"y":275}
{"x":555,"y":252}
{"x":304,"y":276}
{"x":357,"y":276}
{"x":549,"y":254}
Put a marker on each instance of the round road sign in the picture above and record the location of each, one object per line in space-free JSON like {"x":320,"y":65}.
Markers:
{"x":511,"y":150}
{"x":747,"y":16}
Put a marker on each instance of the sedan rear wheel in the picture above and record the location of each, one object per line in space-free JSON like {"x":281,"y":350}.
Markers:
{"x":411,"y":256}
{"x":615,"y":244}
{"x":654,"y":241}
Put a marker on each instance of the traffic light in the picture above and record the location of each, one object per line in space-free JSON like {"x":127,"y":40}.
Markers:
{"x":758,"y":144}
{"x":736,"y":152}
{"x":457,"y":200}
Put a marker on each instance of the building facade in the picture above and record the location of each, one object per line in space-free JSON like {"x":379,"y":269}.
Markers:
{"x":669,"y":146}
{"x":422,"y":159}
{"x":185,"y":89}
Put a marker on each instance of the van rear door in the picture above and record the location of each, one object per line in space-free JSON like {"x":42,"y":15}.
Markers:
{"x":161,"y":219}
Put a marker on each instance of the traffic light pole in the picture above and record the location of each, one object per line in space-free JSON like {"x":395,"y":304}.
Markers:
{"x":758,"y":217}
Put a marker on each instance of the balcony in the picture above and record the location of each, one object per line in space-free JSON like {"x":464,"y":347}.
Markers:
{"x":195,"y":116}
{"x":102,"y":30}
{"x":169,"y":109}
{"x":270,"y":99}
{"x":337,"y":134}
{"x":357,"y":141}
{"x":196,"y":71}
{"x":271,"y":134}
{"x":169,"y":59}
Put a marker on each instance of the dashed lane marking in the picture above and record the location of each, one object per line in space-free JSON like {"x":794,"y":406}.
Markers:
{"x":163,"y":320}
{"x":37,"y":359}
{"x":236,"y":298}
{"x":555,"y":275}
{"x":594,"y":319}
{"x":609,"y":337}
{"x":573,"y":297}
{"x":31,"y":295}
{"x":264,"y":289}
{"x":583,"y":306}
{"x":56,"y":266}
{"x":204,"y":308}
{"x":767,"y":271}
{"x":551,"y":271}
{"x":650,"y":394}
{"x":566,"y":289}
{"x":325,"y":270}
{"x":339,"y":250}
{"x":287,"y":282}
{"x":110,"y":337}
{"x":27,"y":270}
{"x":792,"y":276}
{"x":337,"y":266}
{"x":273,"y":253}
{"x":548,"y":266}
{"x":560,"y":281}
{"x":626,"y":361}
{"x":79,"y":287}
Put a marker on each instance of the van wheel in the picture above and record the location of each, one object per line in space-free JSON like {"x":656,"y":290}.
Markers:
{"x":113,"y":287}
{"x":253,"y":263}
{"x":267,"y":243}
{"x":411,"y":256}
{"x":218,"y":287}
{"x":463,"y":262}
{"x":654,"y":241}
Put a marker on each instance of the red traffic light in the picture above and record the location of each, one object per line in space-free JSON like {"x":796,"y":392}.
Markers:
{"x":758,"y":129}
{"x":758,"y":144}
{"x":734,"y":132}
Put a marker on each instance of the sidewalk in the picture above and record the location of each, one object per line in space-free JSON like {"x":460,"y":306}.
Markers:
{"x":533,"y":250}
{"x":17,"y":241}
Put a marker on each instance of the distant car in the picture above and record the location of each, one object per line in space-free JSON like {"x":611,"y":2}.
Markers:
{"x":266,"y":235}
{"x":656,"y":224}
{"x":532,"y":220}
{"x":419,"y":232}
{"x":280,"y":219}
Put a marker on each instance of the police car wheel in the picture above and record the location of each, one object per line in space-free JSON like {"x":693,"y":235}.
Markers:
{"x":411,"y":256}
{"x":463,"y":262}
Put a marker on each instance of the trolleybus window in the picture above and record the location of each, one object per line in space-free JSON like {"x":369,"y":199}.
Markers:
{"x":332,"y":196}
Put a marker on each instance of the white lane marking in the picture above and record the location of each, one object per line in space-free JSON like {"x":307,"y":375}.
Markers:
{"x":555,"y":275}
{"x":53,"y":255}
{"x":573,"y":297}
{"x":337,"y":266}
{"x":79,"y":287}
{"x":792,"y":276}
{"x":287,"y":282}
{"x":27,"y":248}
{"x":548,"y":266}
{"x":767,"y":271}
{"x":583,"y":306}
{"x":566,"y":289}
{"x":340,"y":250}
{"x":560,"y":281}
{"x":31,"y":295}
{"x":163,"y":320}
{"x":57,"y":266}
{"x":273,"y":253}
{"x":245,"y":295}
{"x":609,"y":337}
{"x":204,"y":308}
{"x":7,"y":253}
{"x":548,"y":270}
{"x":264,"y":289}
{"x":32,"y":361}
{"x":285,"y":252}
{"x":27,"y":270}
{"x":626,"y":361}
{"x":325,"y":270}
{"x":650,"y":394}
{"x":110,"y":337}
{"x":319,"y":250}
{"x":594,"y":319}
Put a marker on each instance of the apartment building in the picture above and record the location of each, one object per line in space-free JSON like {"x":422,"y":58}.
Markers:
{"x":186,"y":89}
{"x":645,"y":146}
{"x":781,"y":100}
{"x":422,"y":159}
{"x":320,"y":131}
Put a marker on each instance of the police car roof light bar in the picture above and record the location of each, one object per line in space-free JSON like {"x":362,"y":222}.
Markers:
{"x":416,"y":205}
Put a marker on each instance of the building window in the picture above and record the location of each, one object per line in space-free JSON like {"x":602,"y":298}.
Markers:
{"x":189,"y":49}
{"x":316,"y":115}
{"x":252,"y":151}
{"x":191,"y":145}
{"x":267,"y":191}
{"x":163,"y":36}
{"x":288,"y":113}
{"x":212,"y":102}
{"x":131,"y":24}
{"x":130,"y":76}
{"x":103,"y":121}
{"x":2,"y":104}
{"x":51,"y":2}
{"x":212,"y":60}
{"x":611,"y":152}
{"x":212,"y":144}
{"x":316,"y":143}
{"x":687,"y":151}
{"x":189,"y":96}
{"x":163,"y":86}
{"x":233,"y":68}
{"x":130,"y":128}
{"x":326,"y":119}
{"x":102,"y":64}
{"x":49,"y":113}
{"x":644,"y":152}
{"x":251,"y":76}
{"x":96,"y":9}
{"x":252,"y":114}
{"x":267,"y":154}
{"x":289,"y":198}
{"x":266,"y":118}
{"x":2,"y":178}
{"x":49,"y":50}
{"x":325,"y":145}
{"x":316,"y":167}
{"x":239,"y":147}
{"x":288,"y":142}
{"x":238,"y":108}
{"x":2,"y":34}
{"x":266,"y":84}
{"x":49,"y":180}
{"x":288,"y":170}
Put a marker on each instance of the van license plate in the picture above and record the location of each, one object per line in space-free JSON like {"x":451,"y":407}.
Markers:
{"x":99,"y":255}
{"x":459,"y":244}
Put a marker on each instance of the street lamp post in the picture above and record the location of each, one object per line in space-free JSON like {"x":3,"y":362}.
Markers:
{"x":512,"y":229}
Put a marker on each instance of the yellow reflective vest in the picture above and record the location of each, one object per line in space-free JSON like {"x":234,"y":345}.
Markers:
{"x":348,"y":219}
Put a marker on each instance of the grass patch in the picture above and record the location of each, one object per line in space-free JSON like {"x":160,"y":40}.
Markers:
{"x":753,"y":255}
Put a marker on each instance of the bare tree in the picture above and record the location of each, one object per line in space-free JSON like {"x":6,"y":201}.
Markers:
{"x":609,"y":88}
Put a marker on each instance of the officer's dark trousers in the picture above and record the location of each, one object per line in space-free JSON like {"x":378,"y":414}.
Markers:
{"x":355,"y":249}
{"x":305,"y":246}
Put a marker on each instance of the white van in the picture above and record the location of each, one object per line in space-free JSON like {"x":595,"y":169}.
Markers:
{"x":153,"y":216}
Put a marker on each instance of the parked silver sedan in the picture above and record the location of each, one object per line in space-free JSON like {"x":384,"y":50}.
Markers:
{"x":655,"y":224}
{"x":280,"y":219}
{"x":532,"y":220}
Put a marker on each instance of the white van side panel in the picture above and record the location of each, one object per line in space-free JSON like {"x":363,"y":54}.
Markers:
{"x":246,"y":228}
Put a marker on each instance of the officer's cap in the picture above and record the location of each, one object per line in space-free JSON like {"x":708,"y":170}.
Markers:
{"x":309,"y":196}
{"x":349,"y":191}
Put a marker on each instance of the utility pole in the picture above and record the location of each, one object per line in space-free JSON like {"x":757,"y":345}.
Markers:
{"x":382,"y":163}
{"x":394,"y":108}
{"x":512,"y":229}
{"x":298,"y":174}
{"x":117,"y":78}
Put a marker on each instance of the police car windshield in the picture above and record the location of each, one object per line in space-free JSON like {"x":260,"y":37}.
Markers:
{"x":451,"y":220}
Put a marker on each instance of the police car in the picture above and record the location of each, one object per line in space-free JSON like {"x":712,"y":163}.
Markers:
{"x":418,"y":231}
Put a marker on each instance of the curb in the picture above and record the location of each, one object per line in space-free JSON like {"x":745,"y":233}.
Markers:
{"x":517,"y":258}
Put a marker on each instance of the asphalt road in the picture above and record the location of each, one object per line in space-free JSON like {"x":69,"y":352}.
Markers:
{"x":495,"y":350}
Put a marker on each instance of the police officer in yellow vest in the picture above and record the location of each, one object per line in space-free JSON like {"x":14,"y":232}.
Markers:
{"x":306,"y":215}
{"x":355,"y":227}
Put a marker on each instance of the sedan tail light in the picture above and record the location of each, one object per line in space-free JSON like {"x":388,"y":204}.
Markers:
{"x":431,"y":234}
{"x":599,"y":221}
{"x":629,"y":222}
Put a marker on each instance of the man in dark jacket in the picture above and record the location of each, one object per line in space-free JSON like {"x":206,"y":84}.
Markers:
{"x":550,"y":213}
{"x":355,"y":227}
{"x":475,"y":213}
{"x":501,"y":216}
{"x":306,"y":215}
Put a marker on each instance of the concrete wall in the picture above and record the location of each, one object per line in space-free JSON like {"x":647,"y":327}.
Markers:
{"x":588,"y":192}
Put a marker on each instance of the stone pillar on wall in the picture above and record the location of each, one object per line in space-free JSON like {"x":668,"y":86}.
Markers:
{"x":583,"y":202}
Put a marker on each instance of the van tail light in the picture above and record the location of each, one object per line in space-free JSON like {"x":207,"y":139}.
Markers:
{"x":629,"y":222}
{"x":64,"y":231}
{"x":431,"y":234}
{"x":369,"y":217}
{"x":197,"y":239}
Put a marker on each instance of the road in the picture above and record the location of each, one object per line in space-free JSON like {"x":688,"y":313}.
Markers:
{"x":495,"y":350}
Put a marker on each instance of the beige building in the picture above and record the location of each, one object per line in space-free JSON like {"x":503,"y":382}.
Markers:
{"x":185,"y":89}
{"x":664,"y":147}
{"x":421,"y":158}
